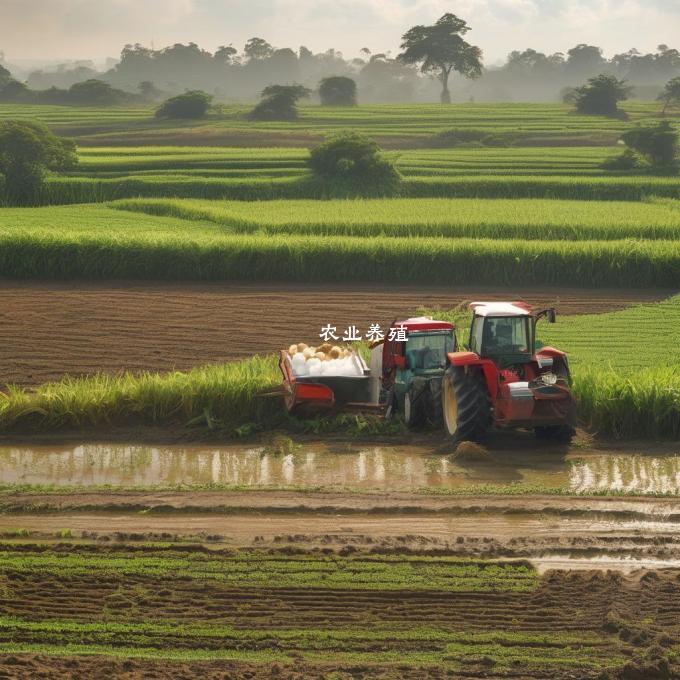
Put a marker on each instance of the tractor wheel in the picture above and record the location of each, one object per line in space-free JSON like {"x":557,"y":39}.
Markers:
{"x":466,"y":404}
{"x":557,"y":433}
{"x":415,"y":404}
{"x":435,"y":412}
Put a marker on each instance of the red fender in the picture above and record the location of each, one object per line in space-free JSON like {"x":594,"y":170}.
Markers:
{"x":551,"y":352}
{"x":472,"y":359}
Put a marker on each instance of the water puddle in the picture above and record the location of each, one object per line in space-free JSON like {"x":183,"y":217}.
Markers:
{"x":323,"y":465}
{"x":626,"y":564}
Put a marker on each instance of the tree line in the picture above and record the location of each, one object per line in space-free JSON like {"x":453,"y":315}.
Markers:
{"x":144,"y":74}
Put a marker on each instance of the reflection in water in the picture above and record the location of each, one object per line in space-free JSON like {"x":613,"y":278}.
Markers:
{"x":378,"y":467}
{"x":627,"y":473}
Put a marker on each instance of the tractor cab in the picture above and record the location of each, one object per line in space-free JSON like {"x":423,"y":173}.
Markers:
{"x":503,"y":332}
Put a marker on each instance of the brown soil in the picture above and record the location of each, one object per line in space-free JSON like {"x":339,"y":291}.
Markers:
{"x":51,"y":329}
{"x":573,"y":532}
{"x":624,"y":614}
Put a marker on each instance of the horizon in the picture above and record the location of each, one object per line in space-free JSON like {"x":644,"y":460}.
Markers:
{"x":87,"y":30}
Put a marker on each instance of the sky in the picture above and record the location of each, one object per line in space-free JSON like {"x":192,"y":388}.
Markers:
{"x":96,"y":29}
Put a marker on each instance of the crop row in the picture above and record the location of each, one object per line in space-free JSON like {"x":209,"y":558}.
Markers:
{"x":310,"y":571}
{"x":63,"y":190}
{"x":451,"y":218}
{"x":384,"y":119}
{"x":93,"y":242}
{"x":644,"y":404}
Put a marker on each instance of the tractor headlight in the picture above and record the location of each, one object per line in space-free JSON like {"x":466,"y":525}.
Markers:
{"x":548,"y":378}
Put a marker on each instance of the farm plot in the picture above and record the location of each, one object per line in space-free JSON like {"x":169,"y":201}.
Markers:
{"x":451,"y":218}
{"x":238,"y":610}
{"x":81,"y":328}
{"x":98,"y":242}
{"x":393,"y":123}
{"x":267,"y":173}
{"x":641,"y":401}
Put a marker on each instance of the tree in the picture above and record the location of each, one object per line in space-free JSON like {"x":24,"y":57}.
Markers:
{"x":191,"y":104}
{"x":4,"y":73}
{"x":279,"y":102}
{"x":12,"y":90}
{"x":584,"y":60}
{"x":95,"y":92}
{"x":27,"y":151}
{"x":670,"y":94}
{"x":657,"y":143}
{"x":257,"y":48}
{"x":350,"y":163}
{"x":600,"y":95}
{"x":148,"y":91}
{"x":226,"y":54}
{"x":440,"y":49}
{"x":338,"y":91}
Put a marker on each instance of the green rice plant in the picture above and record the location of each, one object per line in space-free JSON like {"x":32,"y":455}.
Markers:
{"x":90,"y":189}
{"x":535,"y":219}
{"x":644,"y":405}
{"x":222,"y":396}
{"x":94,"y":242}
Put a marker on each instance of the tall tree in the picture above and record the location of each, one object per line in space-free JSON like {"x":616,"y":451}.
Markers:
{"x":670,"y":94}
{"x":440,"y":49}
{"x":258,"y":48}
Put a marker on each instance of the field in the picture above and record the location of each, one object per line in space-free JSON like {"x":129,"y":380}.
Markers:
{"x":396,"y":123}
{"x":161,"y":517}
{"x":105,"y":243}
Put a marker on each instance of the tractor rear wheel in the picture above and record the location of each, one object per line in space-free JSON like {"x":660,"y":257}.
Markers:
{"x":557,"y":433}
{"x":466,"y":404}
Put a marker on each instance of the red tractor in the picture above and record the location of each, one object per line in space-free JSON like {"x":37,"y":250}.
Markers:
{"x":501,"y":380}
{"x":418,"y":372}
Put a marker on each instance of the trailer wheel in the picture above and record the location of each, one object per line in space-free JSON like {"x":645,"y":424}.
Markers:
{"x":557,"y":433}
{"x":466,"y":404}
{"x":415,"y":404}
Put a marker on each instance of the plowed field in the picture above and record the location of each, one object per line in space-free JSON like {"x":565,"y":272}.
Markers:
{"x":48,"y":330}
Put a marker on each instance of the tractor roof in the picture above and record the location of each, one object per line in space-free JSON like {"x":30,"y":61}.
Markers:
{"x":501,"y":308}
{"x":424,"y":323}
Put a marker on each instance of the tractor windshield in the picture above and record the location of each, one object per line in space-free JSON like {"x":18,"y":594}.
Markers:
{"x":500,"y":336}
{"x":428,"y":350}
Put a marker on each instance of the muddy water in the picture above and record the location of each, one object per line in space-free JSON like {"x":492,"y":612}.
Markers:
{"x":321,"y":465}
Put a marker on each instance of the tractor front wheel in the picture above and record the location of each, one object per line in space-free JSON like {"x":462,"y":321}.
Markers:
{"x":466,"y":404}
{"x":556,"y":433}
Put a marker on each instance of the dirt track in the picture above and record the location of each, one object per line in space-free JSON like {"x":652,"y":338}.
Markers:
{"x":573,"y":532}
{"x":51,"y":329}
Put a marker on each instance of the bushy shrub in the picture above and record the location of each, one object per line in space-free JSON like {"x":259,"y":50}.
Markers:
{"x":338,"y":91}
{"x":27,"y":150}
{"x":351,"y":163}
{"x":657,"y":143}
{"x":279,"y":102}
{"x":628,"y":160}
{"x":600,"y":96}
{"x":191,"y":104}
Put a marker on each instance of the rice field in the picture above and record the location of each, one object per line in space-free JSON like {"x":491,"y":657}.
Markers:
{"x":625,"y":368}
{"x":547,"y":121}
{"x":100,"y":242}
{"x":447,"y":218}
{"x":106,"y":173}
{"x":523,"y":202}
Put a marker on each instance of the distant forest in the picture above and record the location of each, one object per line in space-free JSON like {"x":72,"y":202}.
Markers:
{"x":233,"y":76}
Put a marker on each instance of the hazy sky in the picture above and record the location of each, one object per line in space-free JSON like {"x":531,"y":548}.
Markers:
{"x":79,"y":29}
